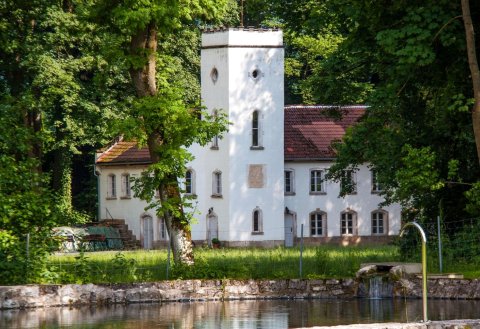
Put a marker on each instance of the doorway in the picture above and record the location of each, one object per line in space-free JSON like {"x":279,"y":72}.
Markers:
{"x":147,"y":232}
{"x":289,"y":229}
{"x":212,"y":227}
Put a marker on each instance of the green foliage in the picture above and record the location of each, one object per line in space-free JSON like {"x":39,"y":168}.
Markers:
{"x":417,"y":133}
{"x":22,"y":262}
{"x":165,"y":108}
{"x":130,"y":16}
{"x":124,"y":268}
{"x":473,"y":197}
{"x":418,"y":176}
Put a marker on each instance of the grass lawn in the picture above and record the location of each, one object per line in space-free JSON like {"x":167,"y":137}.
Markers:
{"x":140,"y":265}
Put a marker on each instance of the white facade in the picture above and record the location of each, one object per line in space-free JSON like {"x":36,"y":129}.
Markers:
{"x":242,"y":74}
{"x":301,"y":203}
{"x":238,"y":180}
{"x":121,"y":204}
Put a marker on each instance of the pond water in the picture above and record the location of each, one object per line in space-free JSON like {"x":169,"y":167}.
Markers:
{"x":263,"y":314}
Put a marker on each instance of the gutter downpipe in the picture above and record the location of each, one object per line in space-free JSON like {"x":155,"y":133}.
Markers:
{"x":424,"y":265}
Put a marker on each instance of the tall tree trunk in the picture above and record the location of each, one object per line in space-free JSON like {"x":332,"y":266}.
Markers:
{"x":474,"y":70}
{"x":143,"y":78}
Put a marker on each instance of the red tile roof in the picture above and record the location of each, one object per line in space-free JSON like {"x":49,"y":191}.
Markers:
{"x":309,"y":132}
{"x":124,"y":153}
{"x":311,"y":129}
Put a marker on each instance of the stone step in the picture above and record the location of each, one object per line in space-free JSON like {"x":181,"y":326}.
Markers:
{"x":128,"y":238}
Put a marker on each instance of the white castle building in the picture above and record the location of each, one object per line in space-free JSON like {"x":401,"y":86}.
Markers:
{"x":262,"y":181}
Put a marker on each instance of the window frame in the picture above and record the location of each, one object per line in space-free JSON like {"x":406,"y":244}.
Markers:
{"x":257,"y":220}
{"x":191,"y":180}
{"x":111,"y":186}
{"x":348,"y":176}
{"x":384,"y":220}
{"x":217,"y":184}
{"x":126,"y":187}
{"x":291,"y":180}
{"x":344,"y":227}
{"x":256,"y":142}
{"x":313,"y":182}
{"x":323,"y":224}
{"x":375,"y":185}
{"x":162,"y":229}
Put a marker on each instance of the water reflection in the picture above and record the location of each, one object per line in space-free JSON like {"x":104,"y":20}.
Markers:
{"x":240,"y":314}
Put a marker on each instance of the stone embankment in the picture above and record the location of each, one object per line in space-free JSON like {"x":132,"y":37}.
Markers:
{"x":155,"y":292}
{"x":28,"y":296}
{"x":452,"y":324}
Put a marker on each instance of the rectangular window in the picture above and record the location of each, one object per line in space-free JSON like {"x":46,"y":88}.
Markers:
{"x":317,"y":181}
{"x":126,"y":191}
{"x":316,"y":224}
{"x":376,"y":186}
{"x":378,"y":223}
{"x":189,"y":182}
{"x":163,"y":229}
{"x":348,"y":184}
{"x":255,"y":129}
{"x":214,"y":145}
{"x":347,"y":223}
{"x":111,"y":186}
{"x":217,"y":184}
{"x":289,"y":182}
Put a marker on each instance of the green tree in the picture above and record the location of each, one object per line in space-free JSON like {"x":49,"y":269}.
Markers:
{"x":49,"y":70}
{"x":409,"y":64}
{"x":26,"y":205}
{"x":163,"y":115}
{"x":51,"y":108}
{"x":417,"y":134}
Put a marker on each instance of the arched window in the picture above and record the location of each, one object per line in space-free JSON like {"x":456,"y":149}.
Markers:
{"x":217,"y":184}
{"x":379,"y":222}
{"x":126,"y":190}
{"x":257,"y":221}
{"x":190,"y":182}
{"x":111,"y":186}
{"x":256,"y":131}
{"x":348,"y":223}
{"x":146,"y":232}
{"x":318,"y":223}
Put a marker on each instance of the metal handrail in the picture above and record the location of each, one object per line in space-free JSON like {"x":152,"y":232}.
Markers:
{"x":424,"y":264}
{"x":108,"y":213}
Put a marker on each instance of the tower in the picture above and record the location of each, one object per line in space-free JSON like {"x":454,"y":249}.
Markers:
{"x":240,"y":176}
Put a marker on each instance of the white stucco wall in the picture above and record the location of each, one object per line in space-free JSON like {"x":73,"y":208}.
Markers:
{"x":363,"y":202}
{"x":130,"y":209}
{"x":238,"y":56}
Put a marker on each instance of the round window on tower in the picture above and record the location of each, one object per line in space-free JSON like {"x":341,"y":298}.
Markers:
{"x":255,"y":74}
{"x":214,"y":75}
